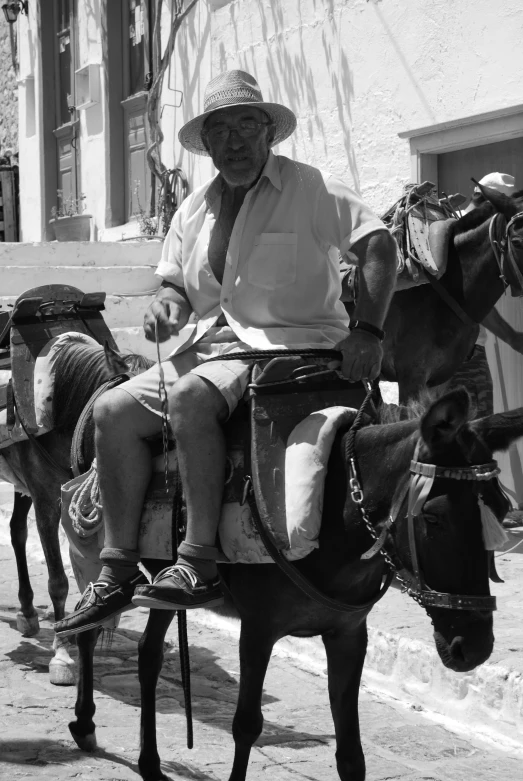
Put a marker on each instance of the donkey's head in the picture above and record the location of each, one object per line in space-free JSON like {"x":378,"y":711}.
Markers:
{"x":489,"y":241}
{"x":453,"y":518}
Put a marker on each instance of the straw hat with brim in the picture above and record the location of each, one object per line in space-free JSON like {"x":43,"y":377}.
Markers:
{"x":503,"y":183}
{"x":235,"y":88}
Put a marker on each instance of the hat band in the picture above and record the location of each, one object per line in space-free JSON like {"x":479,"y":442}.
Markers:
{"x":229,"y":97}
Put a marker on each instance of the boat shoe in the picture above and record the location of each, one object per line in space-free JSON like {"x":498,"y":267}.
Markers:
{"x":178,"y":588}
{"x":98,"y":603}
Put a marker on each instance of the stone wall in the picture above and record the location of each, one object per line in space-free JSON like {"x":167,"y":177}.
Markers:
{"x":8,"y":90}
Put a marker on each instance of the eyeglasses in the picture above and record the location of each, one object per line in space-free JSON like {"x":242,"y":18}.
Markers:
{"x":245,"y":129}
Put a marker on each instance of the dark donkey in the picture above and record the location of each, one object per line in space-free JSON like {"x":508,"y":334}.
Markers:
{"x":448,"y":545}
{"x":426,"y":341}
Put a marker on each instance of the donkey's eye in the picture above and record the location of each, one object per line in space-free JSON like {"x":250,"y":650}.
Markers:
{"x":432,"y":519}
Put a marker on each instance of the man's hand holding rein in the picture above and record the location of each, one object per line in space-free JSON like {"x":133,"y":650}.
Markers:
{"x":168,"y":313}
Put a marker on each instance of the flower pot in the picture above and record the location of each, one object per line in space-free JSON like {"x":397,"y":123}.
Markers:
{"x":74,"y":228}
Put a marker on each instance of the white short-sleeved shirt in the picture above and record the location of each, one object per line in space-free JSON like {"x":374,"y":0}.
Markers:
{"x":281,"y":283}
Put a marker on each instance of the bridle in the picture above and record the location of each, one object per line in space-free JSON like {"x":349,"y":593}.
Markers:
{"x":414,"y":492}
{"x":504,"y":252}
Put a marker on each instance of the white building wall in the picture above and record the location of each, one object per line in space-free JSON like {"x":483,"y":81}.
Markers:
{"x":186,"y":79}
{"x":189,"y":72}
{"x":357,"y":73}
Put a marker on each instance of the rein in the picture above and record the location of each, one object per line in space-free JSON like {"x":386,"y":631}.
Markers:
{"x":416,"y":489}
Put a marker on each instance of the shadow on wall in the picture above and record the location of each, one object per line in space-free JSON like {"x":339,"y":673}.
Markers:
{"x":196,"y":39}
{"x":291,"y":75}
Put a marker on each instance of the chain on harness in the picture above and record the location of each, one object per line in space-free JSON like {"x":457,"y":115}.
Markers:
{"x":418,"y":488}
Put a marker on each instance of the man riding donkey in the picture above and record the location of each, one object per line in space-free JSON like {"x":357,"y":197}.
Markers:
{"x":254,"y":254}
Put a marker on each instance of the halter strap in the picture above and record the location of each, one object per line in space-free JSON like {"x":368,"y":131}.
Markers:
{"x":477,"y":472}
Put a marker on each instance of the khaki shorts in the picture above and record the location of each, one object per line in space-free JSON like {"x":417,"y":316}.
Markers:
{"x":229,"y":377}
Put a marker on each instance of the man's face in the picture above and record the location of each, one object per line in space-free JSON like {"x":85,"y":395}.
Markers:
{"x":239,"y":159}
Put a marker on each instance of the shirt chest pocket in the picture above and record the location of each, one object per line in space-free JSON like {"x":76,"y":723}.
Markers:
{"x":272,"y":262}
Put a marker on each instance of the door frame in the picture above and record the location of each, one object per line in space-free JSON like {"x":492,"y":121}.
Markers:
{"x":68,"y":130}
{"x":112,"y":70}
{"x":137,"y":102}
{"x":426,"y":143}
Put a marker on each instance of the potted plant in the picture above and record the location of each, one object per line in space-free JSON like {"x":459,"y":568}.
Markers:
{"x":68,"y":221}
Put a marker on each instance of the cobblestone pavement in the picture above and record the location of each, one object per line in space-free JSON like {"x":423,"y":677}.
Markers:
{"x":297,"y":741}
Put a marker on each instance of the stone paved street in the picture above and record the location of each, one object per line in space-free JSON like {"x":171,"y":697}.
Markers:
{"x":399,"y":742}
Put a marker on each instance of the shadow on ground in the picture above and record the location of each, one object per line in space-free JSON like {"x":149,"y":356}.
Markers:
{"x":214,"y":689}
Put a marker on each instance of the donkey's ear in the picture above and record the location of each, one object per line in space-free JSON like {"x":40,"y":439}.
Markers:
{"x":499,"y":431}
{"x":115,"y":362}
{"x":444,"y":419}
{"x":501,"y":202}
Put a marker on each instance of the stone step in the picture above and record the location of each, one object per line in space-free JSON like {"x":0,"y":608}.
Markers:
{"x":111,"y":279}
{"x":120,"y":311}
{"x":81,"y":253}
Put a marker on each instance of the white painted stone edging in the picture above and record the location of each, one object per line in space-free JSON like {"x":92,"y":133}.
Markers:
{"x":487,"y":701}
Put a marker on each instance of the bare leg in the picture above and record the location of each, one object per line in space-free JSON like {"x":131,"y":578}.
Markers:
{"x":124,"y":470}
{"x":197,"y":411}
{"x":124,"y":463}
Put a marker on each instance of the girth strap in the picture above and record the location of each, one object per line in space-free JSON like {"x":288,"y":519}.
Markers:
{"x":301,"y":581}
{"x":450,"y":301}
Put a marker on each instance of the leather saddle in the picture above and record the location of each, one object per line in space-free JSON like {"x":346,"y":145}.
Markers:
{"x":282,"y":392}
{"x":39,"y":315}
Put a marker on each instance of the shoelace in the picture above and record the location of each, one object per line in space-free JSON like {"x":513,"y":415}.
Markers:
{"x":185,"y":573}
{"x":89,"y":592}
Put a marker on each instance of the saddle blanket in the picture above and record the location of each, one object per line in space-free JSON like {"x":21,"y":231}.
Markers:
{"x":44,"y":376}
{"x":307,"y":456}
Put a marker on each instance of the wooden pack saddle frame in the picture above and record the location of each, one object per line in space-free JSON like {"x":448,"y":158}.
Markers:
{"x":39,"y":315}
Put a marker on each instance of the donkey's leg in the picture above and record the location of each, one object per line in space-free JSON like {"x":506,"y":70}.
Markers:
{"x":346,"y":650}
{"x":150,"y":660}
{"x":27,"y":619}
{"x":47,"y":513}
{"x":83,"y":729}
{"x":255,"y":653}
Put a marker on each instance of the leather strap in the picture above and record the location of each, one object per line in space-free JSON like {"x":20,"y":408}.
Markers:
{"x":361,"y":325}
{"x":450,"y":301}
{"x":301,"y":581}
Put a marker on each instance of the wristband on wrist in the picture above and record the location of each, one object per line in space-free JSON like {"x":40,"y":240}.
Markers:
{"x":361,"y":325}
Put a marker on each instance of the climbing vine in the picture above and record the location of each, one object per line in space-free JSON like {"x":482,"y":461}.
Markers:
{"x":179,"y":11}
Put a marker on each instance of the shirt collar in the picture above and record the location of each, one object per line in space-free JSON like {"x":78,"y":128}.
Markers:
{"x":271,"y":171}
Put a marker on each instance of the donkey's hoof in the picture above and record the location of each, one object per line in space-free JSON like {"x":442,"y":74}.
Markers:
{"x":28,"y":627}
{"x":62,"y":673}
{"x":84,"y":742}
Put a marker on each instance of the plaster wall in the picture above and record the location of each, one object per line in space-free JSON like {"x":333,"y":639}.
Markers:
{"x":356,"y":73}
{"x":184,"y":85}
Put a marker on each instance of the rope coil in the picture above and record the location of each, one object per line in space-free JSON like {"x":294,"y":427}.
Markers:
{"x":85,"y":509}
